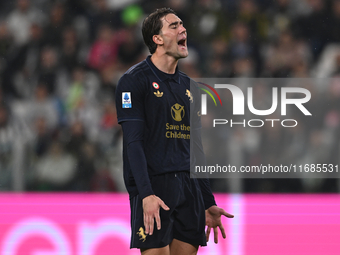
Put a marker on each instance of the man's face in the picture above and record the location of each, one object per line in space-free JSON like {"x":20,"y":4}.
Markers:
{"x":174,"y":36}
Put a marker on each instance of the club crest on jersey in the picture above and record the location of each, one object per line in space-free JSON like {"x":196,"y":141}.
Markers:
{"x":126,"y":100}
{"x":188,"y":93}
{"x":155,"y":85}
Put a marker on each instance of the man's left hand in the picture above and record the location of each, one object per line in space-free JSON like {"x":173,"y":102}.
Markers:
{"x":213,"y":221}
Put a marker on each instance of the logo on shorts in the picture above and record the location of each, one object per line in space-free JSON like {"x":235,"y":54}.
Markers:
{"x":177,"y":112}
{"x":126,"y":100}
{"x":141,"y":234}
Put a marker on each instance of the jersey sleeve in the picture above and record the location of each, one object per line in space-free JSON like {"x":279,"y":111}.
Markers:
{"x":197,"y":147}
{"x":130,"y":95}
{"x":133,"y":135}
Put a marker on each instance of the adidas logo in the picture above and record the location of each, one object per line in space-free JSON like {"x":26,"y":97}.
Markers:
{"x":158,"y":94}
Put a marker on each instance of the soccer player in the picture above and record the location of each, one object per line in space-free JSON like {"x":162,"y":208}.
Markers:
{"x":169,"y":210}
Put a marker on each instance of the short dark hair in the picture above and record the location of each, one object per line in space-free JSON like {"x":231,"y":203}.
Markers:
{"x":152,"y":25}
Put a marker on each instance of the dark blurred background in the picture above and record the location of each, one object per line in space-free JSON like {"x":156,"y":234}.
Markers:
{"x":60,"y":62}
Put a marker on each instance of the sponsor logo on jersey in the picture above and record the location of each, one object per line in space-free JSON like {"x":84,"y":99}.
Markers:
{"x":177,"y":112}
{"x":126,"y":100}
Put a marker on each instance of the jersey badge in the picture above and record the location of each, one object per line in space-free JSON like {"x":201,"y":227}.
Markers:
{"x":126,"y":100}
{"x":188,"y":93}
{"x":155,"y":85}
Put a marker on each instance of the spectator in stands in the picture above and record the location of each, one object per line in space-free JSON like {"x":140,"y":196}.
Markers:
{"x":5,"y":43}
{"x":104,"y":50}
{"x":81,"y":101}
{"x":24,"y":75}
{"x":86,"y":168}
{"x":108,"y":83}
{"x":7,"y":137}
{"x":12,"y":135}
{"x":76,"y":94}
{"x":70,"y":50}
{"x":99,"y":14}
{"x":42,"y":137}
{"x":34,"y":47}
{"x":40,"y":106}
{"x":77,"y":139}
{"x":55,"y":170}
{"x":129,"y":52}
{"x":218,"y":62}
{"x":256,"y":21}
{"x":243,"y":47}
{"x":109,"y":128}
{"x":48,"y":68}
{"x":314,"y":27}
{"x":334,"y":29}
{"x":21,"y":19}
{"x":282,"y":57}
{"x":58,"y":21}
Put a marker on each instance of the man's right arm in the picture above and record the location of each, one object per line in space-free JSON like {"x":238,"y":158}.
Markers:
{"x":133,"y":132}
{"x":130,"y":113}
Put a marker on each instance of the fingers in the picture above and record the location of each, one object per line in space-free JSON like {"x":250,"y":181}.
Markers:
{"x":151,"y":224}
{"x":222,"y":231}
{"x":163,"y":205}
{"x":151,"y":213}
{"x":158,"y":221}
{"x":146,"y":223}
{"x":208,"y":233}
{"x":228,"y":215}
{"x":215,"y":235}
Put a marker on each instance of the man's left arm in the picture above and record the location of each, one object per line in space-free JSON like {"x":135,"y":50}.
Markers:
{"x":213,"y":213}
{"x":199,"y":156}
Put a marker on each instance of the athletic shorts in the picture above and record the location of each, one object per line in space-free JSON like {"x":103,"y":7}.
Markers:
{"x":185,"y":221}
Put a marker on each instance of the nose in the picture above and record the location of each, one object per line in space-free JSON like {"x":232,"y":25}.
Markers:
{"x":182,"y":29}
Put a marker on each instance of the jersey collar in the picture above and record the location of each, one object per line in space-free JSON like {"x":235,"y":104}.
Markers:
{"x":161,"y":75}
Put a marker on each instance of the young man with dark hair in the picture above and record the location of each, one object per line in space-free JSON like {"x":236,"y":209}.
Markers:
{"x":153,"y":104}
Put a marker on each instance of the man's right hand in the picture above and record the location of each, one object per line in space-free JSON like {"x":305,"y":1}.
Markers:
{"x":151,"y":205}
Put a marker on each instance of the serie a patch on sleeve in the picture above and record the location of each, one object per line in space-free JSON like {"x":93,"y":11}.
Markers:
{"x":126,"y":100}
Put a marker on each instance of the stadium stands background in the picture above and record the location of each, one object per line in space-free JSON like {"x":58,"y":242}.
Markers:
{"x":60,"y":62}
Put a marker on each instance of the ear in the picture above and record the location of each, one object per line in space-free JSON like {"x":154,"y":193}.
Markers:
{"x":157,"y":39}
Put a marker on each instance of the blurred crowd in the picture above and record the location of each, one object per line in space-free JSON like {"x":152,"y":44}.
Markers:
{"x":60,"y":61}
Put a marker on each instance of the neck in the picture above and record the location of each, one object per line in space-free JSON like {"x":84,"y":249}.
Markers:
{"x":165,"y":63}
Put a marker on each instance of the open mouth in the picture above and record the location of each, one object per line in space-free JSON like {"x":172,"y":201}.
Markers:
{"x":182,"y":43}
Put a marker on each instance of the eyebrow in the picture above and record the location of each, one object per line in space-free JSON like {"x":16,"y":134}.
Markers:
{"x":176,"y":23}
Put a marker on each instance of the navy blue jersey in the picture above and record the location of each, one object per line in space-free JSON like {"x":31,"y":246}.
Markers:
{"x":162,"y":102}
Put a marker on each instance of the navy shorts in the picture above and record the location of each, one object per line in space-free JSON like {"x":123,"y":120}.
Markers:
{"x":185,"y":221}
